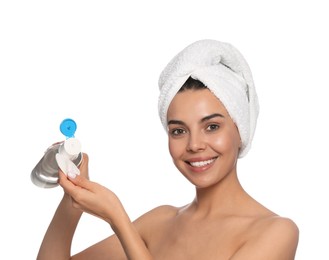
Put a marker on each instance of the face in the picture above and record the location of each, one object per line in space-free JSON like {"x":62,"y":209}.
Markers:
{"x":203,"y":140}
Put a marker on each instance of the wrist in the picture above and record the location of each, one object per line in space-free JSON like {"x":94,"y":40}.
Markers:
{"x":68,"y":204}
{"x":120,"y":222}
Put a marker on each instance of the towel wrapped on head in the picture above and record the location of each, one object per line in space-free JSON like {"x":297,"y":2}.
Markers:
{"x":225,"y":72}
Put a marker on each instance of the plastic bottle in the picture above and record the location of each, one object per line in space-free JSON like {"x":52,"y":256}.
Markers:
{"x":45,"y":173}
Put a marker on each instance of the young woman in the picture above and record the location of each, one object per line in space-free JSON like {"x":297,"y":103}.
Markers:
{"x":208,"y":106}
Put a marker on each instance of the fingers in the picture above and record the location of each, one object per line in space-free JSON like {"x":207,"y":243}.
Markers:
{"x":66,"y":184}
{"x":79,"y":188}
{"x":84,"y":166}
{"x":81,"y":182}
{"x":70,"y":189}
{"x":85,"y":159}
{"x":90,"y":197}
{"x":70,"y":180}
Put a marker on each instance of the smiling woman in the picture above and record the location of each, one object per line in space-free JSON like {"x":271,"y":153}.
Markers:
{"x":203,"y":139}
{"x":209,"y":107}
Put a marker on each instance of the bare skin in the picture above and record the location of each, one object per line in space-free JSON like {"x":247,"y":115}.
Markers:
{"x":222,"y":222}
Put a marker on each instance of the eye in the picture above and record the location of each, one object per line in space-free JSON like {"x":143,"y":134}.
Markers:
{"x":212,"y":127}
{"x":177,"y":131}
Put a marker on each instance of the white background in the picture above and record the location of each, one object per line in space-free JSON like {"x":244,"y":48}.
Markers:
{"x":98,"y":62}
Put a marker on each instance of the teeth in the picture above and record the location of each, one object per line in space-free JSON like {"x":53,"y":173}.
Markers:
{"x":201,"y":164}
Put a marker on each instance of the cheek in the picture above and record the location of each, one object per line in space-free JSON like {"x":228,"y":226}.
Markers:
{"x":226,"y":142}
{"x":174,"y":148}
{"x":220,"y":143}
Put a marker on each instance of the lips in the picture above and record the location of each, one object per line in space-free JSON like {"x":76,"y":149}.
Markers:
{"x":201,"y":163}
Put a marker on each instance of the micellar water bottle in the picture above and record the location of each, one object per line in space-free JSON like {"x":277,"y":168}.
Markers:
{"x":45,"y":173}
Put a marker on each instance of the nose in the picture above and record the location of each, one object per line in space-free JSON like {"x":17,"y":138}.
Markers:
{"x":196,"y":143}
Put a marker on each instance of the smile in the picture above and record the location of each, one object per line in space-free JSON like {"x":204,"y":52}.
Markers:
{"x":202,"y":163}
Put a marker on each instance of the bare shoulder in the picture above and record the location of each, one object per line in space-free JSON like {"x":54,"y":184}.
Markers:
{"x":276,"y":236}
{"x":156,"y":216}
{"x":278,"y":224}
{"x":279,"y":228}
{"x":155,"y":219}
{"x":163,"y":210}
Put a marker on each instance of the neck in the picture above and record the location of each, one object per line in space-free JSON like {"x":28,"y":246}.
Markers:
{"x":222,"y":198}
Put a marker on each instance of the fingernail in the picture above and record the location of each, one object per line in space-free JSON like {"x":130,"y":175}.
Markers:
{"x":71,"y":175}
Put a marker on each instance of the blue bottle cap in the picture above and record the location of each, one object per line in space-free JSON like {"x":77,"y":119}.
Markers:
{"x":68,"y":127}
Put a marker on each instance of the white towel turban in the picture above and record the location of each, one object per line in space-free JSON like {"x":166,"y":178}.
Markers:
{"x":225,"y":72}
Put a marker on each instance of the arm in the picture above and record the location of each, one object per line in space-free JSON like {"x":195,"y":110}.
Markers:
{"x":58,"y":238}
{"x":277,"y":242}
{"x":84,"y":195}
{"x":99,"y":201}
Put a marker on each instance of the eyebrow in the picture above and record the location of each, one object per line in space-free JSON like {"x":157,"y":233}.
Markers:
{"x":206,"y":118}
